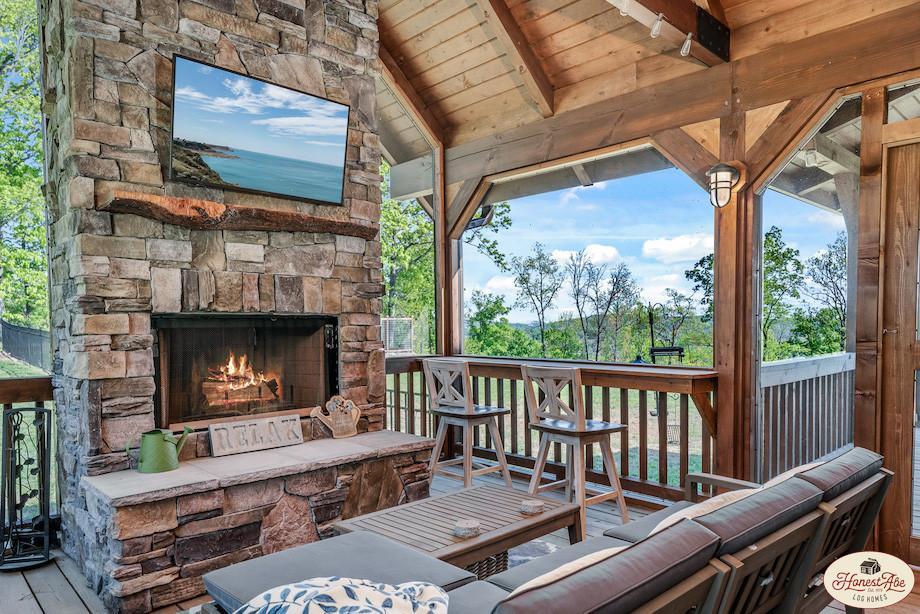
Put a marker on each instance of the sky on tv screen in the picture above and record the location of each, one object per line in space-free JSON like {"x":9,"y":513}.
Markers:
{"x":283,"y":141}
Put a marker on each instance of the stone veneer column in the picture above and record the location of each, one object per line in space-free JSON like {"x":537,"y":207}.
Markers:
{"x":108,"y":71}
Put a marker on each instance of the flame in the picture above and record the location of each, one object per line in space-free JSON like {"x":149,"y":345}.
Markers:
{"x":237,"y":374}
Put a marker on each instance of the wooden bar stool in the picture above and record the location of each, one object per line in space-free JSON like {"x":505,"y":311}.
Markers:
{"x":449,"y":388}
{"x":558,"y":422}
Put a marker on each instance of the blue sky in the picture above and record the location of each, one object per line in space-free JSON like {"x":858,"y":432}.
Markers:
{"x":658,"y":223}
{"x":221,"y":108}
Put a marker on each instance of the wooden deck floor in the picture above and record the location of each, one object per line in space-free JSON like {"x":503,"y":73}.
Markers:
{"x":59,"y":588}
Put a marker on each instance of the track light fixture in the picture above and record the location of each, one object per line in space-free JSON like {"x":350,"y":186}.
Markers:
{"x":656,"y":27}
{"x":685,"y":48}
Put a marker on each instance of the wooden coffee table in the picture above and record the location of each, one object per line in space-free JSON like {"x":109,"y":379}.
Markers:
{"x":427,"y":525}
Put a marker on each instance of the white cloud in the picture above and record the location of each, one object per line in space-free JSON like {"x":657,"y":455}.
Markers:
{"x":571,"y":194}
{"x":682,"y":248}
{"x":821,"y":217}
{"x":304,"y":125}
{"x":323,"y":143}
{"x":595,"y":252}
{"x":654,"y":289}
{"x":500,"y":284}
{"x":256,"y":101}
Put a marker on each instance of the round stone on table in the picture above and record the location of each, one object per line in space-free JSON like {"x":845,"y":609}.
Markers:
{"x":531,"y":507}
{"x":466,"y":528}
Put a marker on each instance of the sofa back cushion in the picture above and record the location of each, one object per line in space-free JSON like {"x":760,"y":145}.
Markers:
{"x":624,"y":580}
{"x":839,"y":475}
{"x":743,"y":522}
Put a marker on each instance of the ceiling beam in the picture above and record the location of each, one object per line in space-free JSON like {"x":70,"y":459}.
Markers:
{"x":518,"y":49}
{"x":409,"y":98}
{"x":837,"y":153}
{"x":711,"y":37}
{"x":582,"y":175}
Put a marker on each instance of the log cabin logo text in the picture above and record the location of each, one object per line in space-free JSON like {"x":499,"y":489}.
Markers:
{"x":258,"y":434}
{"x":869,"y":580}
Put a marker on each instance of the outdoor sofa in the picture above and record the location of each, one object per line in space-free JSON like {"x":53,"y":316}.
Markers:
{"x":753,"y":549}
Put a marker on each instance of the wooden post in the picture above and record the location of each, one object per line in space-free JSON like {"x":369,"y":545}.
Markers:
{"x":867,"y":418}
{"x":733,"y":294}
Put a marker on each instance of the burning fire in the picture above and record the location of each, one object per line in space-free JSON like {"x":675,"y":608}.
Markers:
{"x":238,"y":374}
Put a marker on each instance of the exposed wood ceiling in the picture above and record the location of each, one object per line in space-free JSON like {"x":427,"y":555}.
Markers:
{"x":482,"y":67}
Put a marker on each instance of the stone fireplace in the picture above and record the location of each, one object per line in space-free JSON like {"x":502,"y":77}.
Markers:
{"x":283,"y":294}
{"x":212,"y":367}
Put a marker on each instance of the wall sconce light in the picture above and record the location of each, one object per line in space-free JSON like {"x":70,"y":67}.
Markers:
{"x":722,"y":180}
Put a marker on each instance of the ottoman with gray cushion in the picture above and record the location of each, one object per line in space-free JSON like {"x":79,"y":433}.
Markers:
{"x":360,"y":554}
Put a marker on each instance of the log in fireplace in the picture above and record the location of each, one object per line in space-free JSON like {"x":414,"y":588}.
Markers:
{"x":214,"y":367}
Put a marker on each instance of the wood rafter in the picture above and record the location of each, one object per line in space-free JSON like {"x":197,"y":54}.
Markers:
{"x":519,"y":51}
{"x":409,"y":98}
{"x":582,"y":175}
{"x":686,"y":154}
{"x":681,"y":17}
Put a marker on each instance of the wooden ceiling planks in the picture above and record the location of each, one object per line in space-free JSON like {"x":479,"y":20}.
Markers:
{"x":455,"y":63}
{"x":788,"y":21}
{"x":464,"y":75}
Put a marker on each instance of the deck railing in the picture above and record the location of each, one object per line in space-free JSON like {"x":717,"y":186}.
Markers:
{"x":667,"y":436}
{"x":806,"y":410}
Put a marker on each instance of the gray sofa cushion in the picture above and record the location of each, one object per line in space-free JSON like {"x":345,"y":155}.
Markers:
{"x":354,"y":555}
{"x":637,"y":530}
{"x":839,"y":475}
{"x":516,"y":576}
{"x":743,"y":522}
{"x":474,"y":598}
{"x":624,"y":581}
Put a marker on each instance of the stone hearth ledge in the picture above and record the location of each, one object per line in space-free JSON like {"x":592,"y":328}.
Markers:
{"x":130,"y":487}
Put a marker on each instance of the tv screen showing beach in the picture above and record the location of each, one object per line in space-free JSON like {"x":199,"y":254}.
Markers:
{"x":236,"y":132}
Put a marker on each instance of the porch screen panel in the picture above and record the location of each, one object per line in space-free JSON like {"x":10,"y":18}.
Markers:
{"x":806,"y":315}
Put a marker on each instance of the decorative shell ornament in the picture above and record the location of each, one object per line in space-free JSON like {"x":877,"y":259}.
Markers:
{"x":340,"y":415}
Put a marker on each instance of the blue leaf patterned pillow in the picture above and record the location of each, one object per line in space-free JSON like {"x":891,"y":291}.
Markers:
{"x":336,"y":595}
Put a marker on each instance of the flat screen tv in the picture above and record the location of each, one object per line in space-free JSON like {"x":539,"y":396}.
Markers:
{"x":237,"y":132}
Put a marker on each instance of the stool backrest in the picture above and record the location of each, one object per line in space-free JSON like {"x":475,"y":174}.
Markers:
{"x":550,"y":383}
{"x":448,"y":382}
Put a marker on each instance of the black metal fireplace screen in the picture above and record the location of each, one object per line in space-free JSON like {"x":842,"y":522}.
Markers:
{"x":211,"y":366}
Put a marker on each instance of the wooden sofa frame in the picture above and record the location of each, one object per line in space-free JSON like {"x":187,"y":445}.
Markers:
{"x":783,"y":572}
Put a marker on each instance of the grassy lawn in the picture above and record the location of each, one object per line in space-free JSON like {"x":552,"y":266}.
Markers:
{"x":11,"y":367}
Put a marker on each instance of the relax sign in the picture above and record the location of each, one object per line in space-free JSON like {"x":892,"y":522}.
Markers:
{"x":258,"y":434}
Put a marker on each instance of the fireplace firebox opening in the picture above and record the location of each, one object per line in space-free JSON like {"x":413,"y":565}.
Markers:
{"x":212,"y":367}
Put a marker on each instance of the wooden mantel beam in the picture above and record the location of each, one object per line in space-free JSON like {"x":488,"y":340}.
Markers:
{"x":711,"y":37}
{"x":409,"y":98}
{"x":517,"y":47}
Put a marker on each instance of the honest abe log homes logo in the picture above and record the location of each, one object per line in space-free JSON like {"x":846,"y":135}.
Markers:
{"x":869,"y":580}
{"x":251,"y":435}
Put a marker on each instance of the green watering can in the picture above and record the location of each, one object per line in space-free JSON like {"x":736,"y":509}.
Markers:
{"x":160,"y":450}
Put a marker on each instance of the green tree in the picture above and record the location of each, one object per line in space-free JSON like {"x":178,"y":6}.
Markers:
{"x":23,"y":264}
{"x":815,"y":331}
{"x":488,"y":332}
{"x":538,"y":279}
{"x":783,"y":276}
{"x":563,"y":339}
{"x":827,"y":272}
{"x":407,"y":256}
{"x":701,"y":276}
